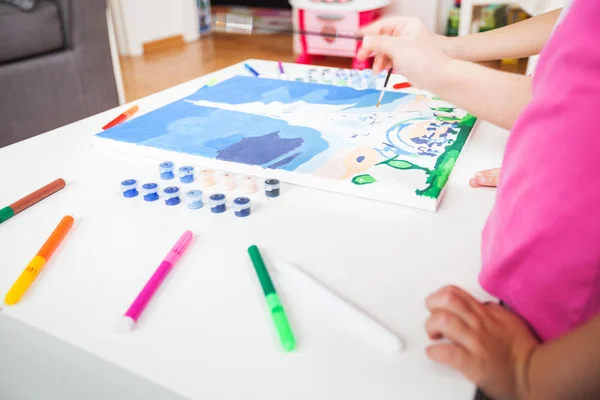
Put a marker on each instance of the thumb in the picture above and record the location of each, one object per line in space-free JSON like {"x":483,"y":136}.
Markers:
{"x":378,"y":44}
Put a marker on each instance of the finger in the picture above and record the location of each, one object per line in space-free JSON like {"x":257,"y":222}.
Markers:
{"x":386,"y":23}
{"x":447,"y":325}
{"x":488,"y":177}
{"x":449,"y":354}
{"x":473,"y":183}
{"x":381,"y":63}
{"x":377,"y":44}
{"x":458,"y":302}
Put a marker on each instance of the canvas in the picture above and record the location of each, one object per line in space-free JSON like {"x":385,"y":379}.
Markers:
{"x":322,"y":136}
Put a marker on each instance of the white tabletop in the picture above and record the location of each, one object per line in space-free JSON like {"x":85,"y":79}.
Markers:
{"x":207,"y":334}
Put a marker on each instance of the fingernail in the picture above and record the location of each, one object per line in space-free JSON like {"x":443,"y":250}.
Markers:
{"x":367,"y":40}
{"x":482,"y":179}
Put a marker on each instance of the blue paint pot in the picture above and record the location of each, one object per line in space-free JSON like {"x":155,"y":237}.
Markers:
{"x":272,"y":188}
{"x":150,"y":191}
{"x":129,"y":188}
{"x":194,"y":199}
{"x":186,"y":174}
{"x":166,"y":170}
{"x":241,"y":206}
{"x":171,"y":195}
{"x":217,"y":203}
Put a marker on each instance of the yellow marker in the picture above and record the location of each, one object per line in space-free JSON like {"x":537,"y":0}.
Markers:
{"x":39,"y":261}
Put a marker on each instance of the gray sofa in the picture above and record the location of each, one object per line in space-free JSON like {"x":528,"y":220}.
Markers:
{"x":55,"y":66}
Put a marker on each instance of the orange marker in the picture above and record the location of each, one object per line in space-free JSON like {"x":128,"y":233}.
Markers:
{"x":121,"y":118}
{"x":39,"y":261}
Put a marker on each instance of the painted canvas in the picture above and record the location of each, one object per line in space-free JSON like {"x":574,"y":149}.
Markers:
{"x":322,"y":136}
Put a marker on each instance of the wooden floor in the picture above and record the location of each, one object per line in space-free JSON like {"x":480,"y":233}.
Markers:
{"x":151,"y":73}
{"x":148,"y":74}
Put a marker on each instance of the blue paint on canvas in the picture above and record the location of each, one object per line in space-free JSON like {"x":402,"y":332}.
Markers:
{"x":242,"y":137}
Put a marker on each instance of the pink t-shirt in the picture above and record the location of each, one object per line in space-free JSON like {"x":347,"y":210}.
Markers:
{"x":541,"y":243}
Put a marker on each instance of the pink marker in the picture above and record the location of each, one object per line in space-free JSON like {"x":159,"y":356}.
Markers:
{"x":130,"y":318}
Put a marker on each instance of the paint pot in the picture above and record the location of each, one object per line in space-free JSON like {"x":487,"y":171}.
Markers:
{"x":358,"y":82}
{"x":341,"y":73}
{"x":241,"y":206}
{"x":327,"y":76}
{"x":186,"y":174}
{"x":194,"y":199}
{"x":150,"y":191}
{"x":272,"y":188}
{"x":229,"y":181}
{"x":129,"y":188}
{"x":370,"y":79}
{"x":171,"y":195}
{"x":166,"y":170}
{"x":249,"y":185}
{"x":208,"y":177}
{"x":217,"y":203}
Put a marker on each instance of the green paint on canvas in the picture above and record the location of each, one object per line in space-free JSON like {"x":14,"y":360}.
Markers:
{"x":402,"y":164}
{"x":365,"y":179}
{"x":439,"y":175}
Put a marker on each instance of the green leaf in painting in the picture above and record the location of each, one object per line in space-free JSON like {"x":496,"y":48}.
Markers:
{"x":365,"y":179}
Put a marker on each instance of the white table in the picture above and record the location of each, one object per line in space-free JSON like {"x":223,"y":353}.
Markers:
{"x":207,"y":335}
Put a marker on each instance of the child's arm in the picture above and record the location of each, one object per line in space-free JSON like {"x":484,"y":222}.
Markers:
{"x":523,"y":39}
{"x":495,"y":350}
{"x":495,"y":96}
{"x":569,"y":367}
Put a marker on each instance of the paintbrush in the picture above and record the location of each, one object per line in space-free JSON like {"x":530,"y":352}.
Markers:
{"x":245,"y":24}
{"x":387,"y":79}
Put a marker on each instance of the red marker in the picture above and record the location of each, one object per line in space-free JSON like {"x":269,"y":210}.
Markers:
{"x":402,"y":85}
{"x":121,"y":118}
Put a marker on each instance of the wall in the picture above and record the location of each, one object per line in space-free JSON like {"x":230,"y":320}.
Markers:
{"x":427,"y":10}
{"x":141,"y":21}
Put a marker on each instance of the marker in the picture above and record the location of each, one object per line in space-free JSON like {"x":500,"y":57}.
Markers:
{"x":252,"y":70}
{"x":121,"y":118}
{"x":358,"y":322}
{"x":282,"y":325}
{"x":29,"y":200}
{"x":136,"y":309}
{"x":387,"y":79}
{"x":281,"y":71}
{"x":403,"y":85}
{"x":39,"y":261}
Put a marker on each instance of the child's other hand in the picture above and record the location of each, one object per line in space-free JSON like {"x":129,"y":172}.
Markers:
{"x":486,"y":178}
{"x":408,"y":45}
{"x":488,"y":344}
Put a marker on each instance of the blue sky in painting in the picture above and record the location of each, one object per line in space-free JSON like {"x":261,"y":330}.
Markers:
{"x":242,"y":137}
{"x":246,"y":89}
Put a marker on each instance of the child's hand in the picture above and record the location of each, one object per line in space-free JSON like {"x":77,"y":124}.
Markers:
{"x":488,"y":344}
{"x":486,"y":178}
{"x":408,"y":45}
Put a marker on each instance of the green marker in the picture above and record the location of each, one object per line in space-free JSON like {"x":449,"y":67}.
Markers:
{"x":281,"y":322}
